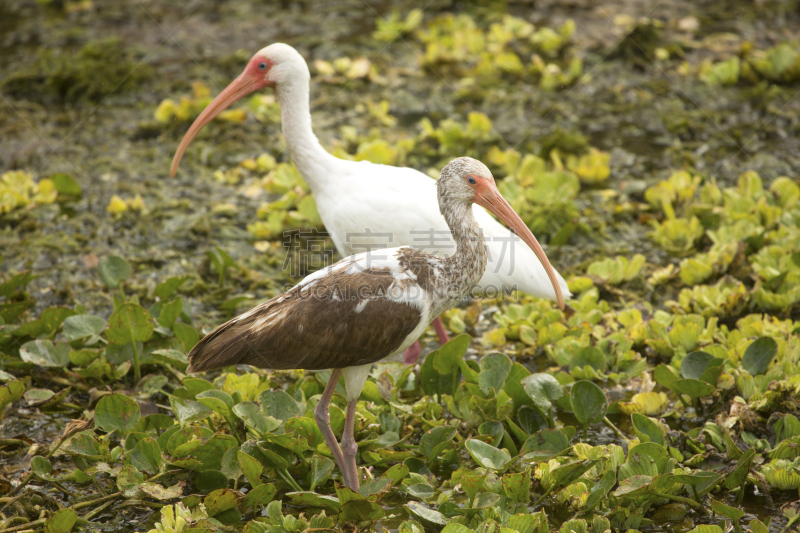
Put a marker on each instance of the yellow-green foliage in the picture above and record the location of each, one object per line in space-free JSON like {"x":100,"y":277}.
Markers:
{"x":18,"y":189}
{"x":189,"y":107}
{"x":511,"y":47}
{"x":295,"y":209}
{"x":779,"y":64}
{"x":615,"y":271}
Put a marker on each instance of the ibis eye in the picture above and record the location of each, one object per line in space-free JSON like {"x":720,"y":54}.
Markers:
{"x":471,"y":180}
{"x":262,"y":65}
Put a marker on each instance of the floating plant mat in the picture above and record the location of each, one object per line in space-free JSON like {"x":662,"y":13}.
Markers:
{"x":655,"y":157}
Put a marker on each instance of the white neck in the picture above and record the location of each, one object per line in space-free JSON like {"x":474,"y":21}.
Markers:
{"x":308,"y":155}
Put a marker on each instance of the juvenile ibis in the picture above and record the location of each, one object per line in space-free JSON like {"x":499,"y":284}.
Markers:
{"x":361,"y":203}
{"x":368,"y":306}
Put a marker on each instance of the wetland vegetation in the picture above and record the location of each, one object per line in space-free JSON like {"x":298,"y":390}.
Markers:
{"x":652,"y":146}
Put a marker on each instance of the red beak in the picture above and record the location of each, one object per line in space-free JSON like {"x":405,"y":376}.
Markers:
{"x":241,"y":86}
{"x":487,"y":195}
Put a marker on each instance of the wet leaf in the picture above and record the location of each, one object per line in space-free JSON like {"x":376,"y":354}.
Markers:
{"x":588,"y":402}
{"x":116,"y":412}
{"x":188,"y":410}
{"x":210,"y":480}
{"x":114,"y":270}
{"x":41,"y":466}
{"x":129,"y":323}
{"x":647,"y":429}
{"x":45,"y":353}
{"x":759,"y":355}
{"x":279,"y":405}
{"x":146,"y":455}
{"x":495,"y":368}
{"x":487,"y":455}
{"x":81,"y":326}
{"x":542,"y":389}
{"x":62,"y":521}
{"x":435,"y":440}
{"x":251,"y":468}
{"x":312,"y":499}
{"x":222,"y":500}
{"x":154,"y":490}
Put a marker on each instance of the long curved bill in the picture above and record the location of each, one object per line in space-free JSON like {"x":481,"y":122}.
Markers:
{"x":487,"y":195}
{"x":238,"y":88}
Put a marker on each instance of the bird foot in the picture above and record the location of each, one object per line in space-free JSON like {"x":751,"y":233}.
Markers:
{"x":411,"y":354}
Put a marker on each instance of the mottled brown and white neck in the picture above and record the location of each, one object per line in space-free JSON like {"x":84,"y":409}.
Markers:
{"x":305,"y":150}
{"x":462,"y":270}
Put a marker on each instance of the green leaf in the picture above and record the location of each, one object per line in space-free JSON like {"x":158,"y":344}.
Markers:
{"x":210,"y":480}
{"x":694,"y":364}
{"x":647,"y":429}
{"x":320,"y":471}
{"x":588,"y":356}
{"x":306,"y":428}
{"x":759,"y":355}
{"x":439,"y":373}
{"x":62,"y":521}
{"x":166,"y":289}
{"x":188,"y":411}
{"x":80,"y":326}
{"x":428,"y":516}
{"x":130,"y":323}
{"x":159,"y":492}
{"x":113,"y":270}
{"x":517,"y":486}
{"x":251,"y":415}
{"x":146,"y":455}
{"x":665,"y":376}
{"x":41,"y":466}
{"x":222,"y":500}
{"x":259,"y":495}
{"x":589,"y":403}
{"x":312,"y":499}
{"x":53,"y":317}
{"x":186,"y":334}
{"x":279,"y":405}
{"x":66,"y":184}
{"x":116,"y":412}
{"x":543,"y":389}
{"x":692,"y":387}
{"x":251,"y":467}
{"x":170,"y":312}
{"x":495,"y":368}
{"x":45,"y":353}
{"x":487,"y":455}
{"x":218,"y":401}
{"x":546,"y":443}
{"x":532,"y":419}
{"x":435,"y":440}
{"x":11,"y":392}
{"x":726,"y":511}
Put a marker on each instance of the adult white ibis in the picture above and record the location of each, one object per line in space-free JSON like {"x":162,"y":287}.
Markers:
{"x":361,"y":203}
{"x":367,"y":306}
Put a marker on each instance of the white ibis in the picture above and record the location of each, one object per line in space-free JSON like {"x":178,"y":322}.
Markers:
{"x":361,"y":203}
{"x":368,"y":306}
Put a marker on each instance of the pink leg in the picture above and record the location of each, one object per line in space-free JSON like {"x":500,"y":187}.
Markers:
{"x":323,"y":417}
{"x":440,"y":332}
{"x":411,"y":354}
{"x":349,"y":446}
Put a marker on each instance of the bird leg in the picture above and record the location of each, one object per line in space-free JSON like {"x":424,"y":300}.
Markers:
{"x":349,"y":446}
{"x":411,"y":354}
{"x":440,"y":332}
{"x":323,"y":417}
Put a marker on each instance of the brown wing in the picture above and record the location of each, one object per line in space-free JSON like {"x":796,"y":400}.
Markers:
{"x":324,"y":324}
